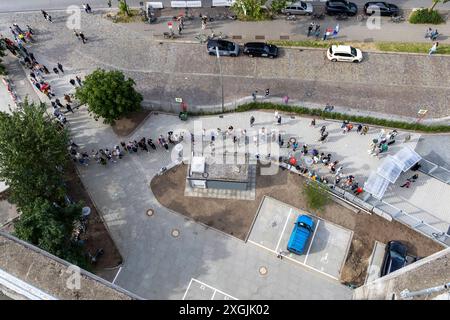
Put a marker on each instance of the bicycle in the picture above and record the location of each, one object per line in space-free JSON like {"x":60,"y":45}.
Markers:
{"x":291,"y":17}
{"x":342,"y":16}
{"x":201,"y":38}
{"x":361,"y":17}
{"x":220,"y":35}
{"x":397,"y":19}
{"x":317,"y":16}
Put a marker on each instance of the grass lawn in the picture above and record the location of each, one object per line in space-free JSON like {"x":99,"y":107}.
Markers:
{"x":407,"y":47}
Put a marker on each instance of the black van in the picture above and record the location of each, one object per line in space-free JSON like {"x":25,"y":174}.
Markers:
{"x":260,"y":49}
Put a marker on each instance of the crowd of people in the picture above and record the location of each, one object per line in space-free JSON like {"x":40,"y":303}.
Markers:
{"x":104,"y":156}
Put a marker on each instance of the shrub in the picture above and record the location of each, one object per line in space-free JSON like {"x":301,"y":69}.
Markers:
{"x":317,"y":196}
{"x":251,"y":10}
{"x":426,"y":16}
{"x":343,"y":116}
{"x":109,"y":95}
{"x":278,"y":5}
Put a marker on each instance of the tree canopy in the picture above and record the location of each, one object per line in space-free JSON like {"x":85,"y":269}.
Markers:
{"x":250,"y":9}
{"x":2,"y":54}
{"x":435,"y":2}
{"x":109,"y":95}
{"x":32,"y":154}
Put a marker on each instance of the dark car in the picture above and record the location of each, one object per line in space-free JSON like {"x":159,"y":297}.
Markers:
{"x":225,"y":48}
{"x":341,"y":7}
{"x":394,"y":258}
{"x":385,"y":9}
{"x":260,"y":49}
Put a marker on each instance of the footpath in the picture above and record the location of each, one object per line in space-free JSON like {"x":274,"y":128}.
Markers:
{"x":282,"y":29}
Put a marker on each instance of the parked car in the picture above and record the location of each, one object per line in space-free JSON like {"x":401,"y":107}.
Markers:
{"x":260,"y":49}
{"x":394,"y":258}
{"x":384,"y":8}
{"x":226,"y":48}
{"x":300,"y":7}
{"x":344,"y":53}
{"x":344,"y":7}
{"x":300,"y":234}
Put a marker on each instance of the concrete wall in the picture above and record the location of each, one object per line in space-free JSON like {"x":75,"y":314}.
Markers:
{"x":49,"y":274}
{"x":428,"y":272}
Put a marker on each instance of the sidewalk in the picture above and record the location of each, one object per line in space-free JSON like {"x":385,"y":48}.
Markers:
{"x":350,"y":30}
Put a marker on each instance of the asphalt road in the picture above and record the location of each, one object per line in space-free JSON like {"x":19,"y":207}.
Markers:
{"x":388,"y":83}
{"x":26,"y":5}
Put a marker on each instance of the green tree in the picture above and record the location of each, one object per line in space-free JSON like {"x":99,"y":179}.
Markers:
{"x":123,"y":8}
{"x":316,"y":195}
{"x":2,"y":54}
{"x":278,"y":5}
{"x":50,"y":227}
{"x":250,"y":9}
{"x":32,"y":154}
{"x":109,"y":95}
{"x":435,"y":2}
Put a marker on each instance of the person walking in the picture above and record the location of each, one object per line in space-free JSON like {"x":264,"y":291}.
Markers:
{"x":80,"y":83}
{"x":76,"y":34}
{"x":109,"y":3}
{"x":60,"y":67}
{"x":45,"y":14}
{"x":55,"y":70}
{"x":82,"y":37}
{"x":359,"y":129}
{"x":252,"y":121}
{"x":317,"y":32}
{"x":72,"y":82}
{"x":286,"y":99}
{"x":69,"y":108}
{"x":267,"y":92}
{"x":336,"y":31}
{"x":254,"y":95}
{"x":89,"y":10}
{"x":49,"y":18}
{"x":67,"y":98}
{"x":406,"y":184}
{"x":365,"y":129}
{"x":310,"y":28}
{"x":179,"y":29}
{"x":85,"y":8}
{"x":433,"y":49}
{"x":279,"y":119}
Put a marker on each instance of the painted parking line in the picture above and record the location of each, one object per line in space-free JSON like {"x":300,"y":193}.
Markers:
{"x":202,"y":286}
{"x":284,"y":228}
{"x":117,"y":274}
{"x":312,"y":239}
{"x":293,"y":260}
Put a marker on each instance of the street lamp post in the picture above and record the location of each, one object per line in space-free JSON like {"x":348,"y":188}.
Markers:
{"x":221,"y":77}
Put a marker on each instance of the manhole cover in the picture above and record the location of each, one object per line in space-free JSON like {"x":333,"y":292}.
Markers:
{"x":263,"y":271}
{"x":175,"y":233}
{"x":150,"y":212}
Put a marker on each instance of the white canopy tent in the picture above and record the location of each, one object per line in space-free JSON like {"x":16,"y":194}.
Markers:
{"x":390,"y":169}
{"x":406,"y":158}
{"x":376,"y":185}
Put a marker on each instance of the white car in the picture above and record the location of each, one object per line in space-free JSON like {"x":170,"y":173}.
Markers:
{"x":344,"y":53}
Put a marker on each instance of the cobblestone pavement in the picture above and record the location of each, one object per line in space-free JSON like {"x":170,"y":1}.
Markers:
{"x":388,"y":83}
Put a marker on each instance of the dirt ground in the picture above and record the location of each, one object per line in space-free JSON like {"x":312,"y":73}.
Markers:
{"x":235,"y":216}
{"x":97,"y":235}
{"x":125,"y":126}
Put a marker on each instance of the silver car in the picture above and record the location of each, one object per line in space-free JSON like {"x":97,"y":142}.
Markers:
{"x":226,"y":48}
{"x":300,"y":7}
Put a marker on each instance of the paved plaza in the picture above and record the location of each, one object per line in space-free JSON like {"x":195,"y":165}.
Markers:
{"x":158,"y":265}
